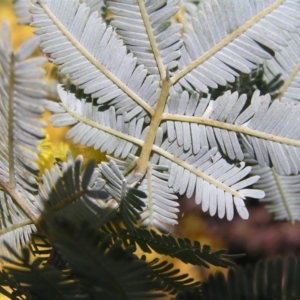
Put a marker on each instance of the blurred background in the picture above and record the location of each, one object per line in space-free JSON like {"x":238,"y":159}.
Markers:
{"x":259,"y":237}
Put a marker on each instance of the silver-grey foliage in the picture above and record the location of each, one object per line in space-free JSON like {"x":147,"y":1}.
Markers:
{"x":286,"y":63}
{"x":21,"y":107}
{"x":146,"y":99}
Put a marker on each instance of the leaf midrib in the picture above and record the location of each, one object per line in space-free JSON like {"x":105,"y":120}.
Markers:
{"x":197,"y":172}
{"x":16,"y":226}
{"x":152,"y":40}
{"x":11,"y":129}
{"x":231,"y":127}
{"x":101,"y":127}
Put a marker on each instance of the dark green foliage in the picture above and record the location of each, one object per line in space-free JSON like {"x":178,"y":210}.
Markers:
{"x":180,"y":248}
{"x":167,"y":244}
{"x":275,"y":279}
{"x":34,"y":280}
{"x":248,"y":83}
{"x":171,"y":279}
{"x":104,"y":270}
{"x":96,"y":267}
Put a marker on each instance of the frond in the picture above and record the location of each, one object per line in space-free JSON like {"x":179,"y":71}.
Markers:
{"x":218,"y":186}
{"x":271,"y":279}
{"x":34,"y":279}
{"x":223,"y":42}
{"x":63,"y":186}
{"x":269,"y":131}
{"x":148,"y":33}
{"x":94,"y":57}
{"x":286,"y":63}
{"x":102,"y":128}
{"x":22,"y":7}
{"x":21,"y":107}
{"x":171,"y":279}
{"x":15,"y":227}
{"x":108,"y":272}
{"x":183,"y":249}
{"x":282,"y":193}
{"x":161,"y":203}
{"x":278,"y":123}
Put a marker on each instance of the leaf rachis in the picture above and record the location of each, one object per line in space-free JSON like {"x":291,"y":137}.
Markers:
{"x":142,"y":163}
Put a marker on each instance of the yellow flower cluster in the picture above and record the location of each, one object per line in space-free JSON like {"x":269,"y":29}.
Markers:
{"x":54,"y":148}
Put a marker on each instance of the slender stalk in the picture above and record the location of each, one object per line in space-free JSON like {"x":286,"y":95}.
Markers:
{"x":93,"y":124}
{"x":15,"y":226}
{"x":142,"y":163}
{"x":66,"y":201}
{"x":15,"y":195}
{"x":231,"y":127}
{"x":151,"y":37}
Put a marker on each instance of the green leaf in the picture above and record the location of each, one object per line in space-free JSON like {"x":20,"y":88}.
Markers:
{"x":111,"y":272}
{"x":34,"y":279}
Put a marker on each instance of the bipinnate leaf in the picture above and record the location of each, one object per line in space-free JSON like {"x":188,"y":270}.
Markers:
{"x":148,"y":91}
{"x":163,"y":119}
